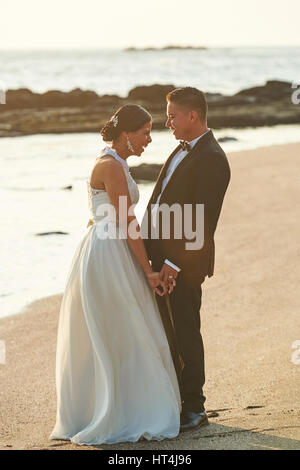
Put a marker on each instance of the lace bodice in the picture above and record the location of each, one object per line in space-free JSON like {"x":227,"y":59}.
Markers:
{"x":97,"y":197}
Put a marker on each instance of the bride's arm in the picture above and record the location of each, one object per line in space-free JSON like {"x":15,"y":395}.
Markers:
{"x":111,"y":173}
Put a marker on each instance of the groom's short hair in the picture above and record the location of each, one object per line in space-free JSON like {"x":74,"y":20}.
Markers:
{"x":190,"y":98}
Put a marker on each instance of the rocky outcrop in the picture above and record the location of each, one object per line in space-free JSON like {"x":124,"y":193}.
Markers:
{"x":150,"y":94}
{"x":77,"y":98}
{"x":166,"y":48}
{"x":145,"y":172}
{"x":55,"y":111}
{"x":273,"y":90}
{"x":227,"y":139}
{"x":51,"y":233}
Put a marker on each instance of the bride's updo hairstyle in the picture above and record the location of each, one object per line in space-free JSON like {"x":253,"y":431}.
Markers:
{"x":128,"y":118}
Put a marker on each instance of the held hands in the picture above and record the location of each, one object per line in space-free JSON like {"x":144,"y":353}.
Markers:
{"x":164,"y":281}
{"x":168,"y":276}
{"x":156,"y":283}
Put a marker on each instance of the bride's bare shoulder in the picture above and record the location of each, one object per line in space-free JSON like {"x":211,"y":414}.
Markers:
{"x":105,"y":168}
{"x":105,"y":163}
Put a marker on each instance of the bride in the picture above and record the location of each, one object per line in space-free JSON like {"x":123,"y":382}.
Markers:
{"x":115,"y":379}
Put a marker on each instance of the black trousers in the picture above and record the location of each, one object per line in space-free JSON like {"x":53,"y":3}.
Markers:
{"x":180,"y":312}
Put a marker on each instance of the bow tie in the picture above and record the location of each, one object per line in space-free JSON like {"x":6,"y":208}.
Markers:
{"x":185,"y":145}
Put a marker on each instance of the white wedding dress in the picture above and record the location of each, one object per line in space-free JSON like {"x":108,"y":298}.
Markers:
{"x":115,"y":379}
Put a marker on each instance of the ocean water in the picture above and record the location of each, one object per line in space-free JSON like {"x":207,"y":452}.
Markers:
{"x":224,"y":70}
{"x":34,"y":169}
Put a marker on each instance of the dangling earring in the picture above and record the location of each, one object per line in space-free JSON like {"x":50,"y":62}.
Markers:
{"x":130,"y":148}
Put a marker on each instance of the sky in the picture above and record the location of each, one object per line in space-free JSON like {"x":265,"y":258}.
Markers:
{"x":77,"y":24}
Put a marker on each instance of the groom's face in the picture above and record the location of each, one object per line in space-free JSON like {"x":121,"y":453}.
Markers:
{"x":179,"y":121}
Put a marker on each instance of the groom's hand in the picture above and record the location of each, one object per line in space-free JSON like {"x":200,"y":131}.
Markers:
{"x":168,"y":275}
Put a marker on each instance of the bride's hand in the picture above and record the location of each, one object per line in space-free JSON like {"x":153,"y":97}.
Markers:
{"x":155,"y":282}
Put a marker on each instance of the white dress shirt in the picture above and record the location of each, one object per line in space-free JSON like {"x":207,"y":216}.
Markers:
{"x":178,"y":157}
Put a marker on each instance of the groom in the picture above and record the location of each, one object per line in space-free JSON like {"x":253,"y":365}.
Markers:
{"x":197,"y":172}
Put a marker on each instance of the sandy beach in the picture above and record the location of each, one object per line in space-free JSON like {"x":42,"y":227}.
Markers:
{"x":250,"y":319}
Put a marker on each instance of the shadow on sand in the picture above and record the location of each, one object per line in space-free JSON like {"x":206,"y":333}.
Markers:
{"x":212,"y":437}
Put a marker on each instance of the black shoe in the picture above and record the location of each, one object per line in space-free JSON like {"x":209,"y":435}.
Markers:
{"x":190,"y":420}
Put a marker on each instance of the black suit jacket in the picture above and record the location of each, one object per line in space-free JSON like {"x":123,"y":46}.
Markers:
{"x":202,"y":177}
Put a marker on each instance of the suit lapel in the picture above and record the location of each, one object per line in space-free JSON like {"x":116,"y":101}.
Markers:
{"x":161,"y":176}
{"x":182,"y":164}
{"x":194,"y":151}
{"x":189,"y":156}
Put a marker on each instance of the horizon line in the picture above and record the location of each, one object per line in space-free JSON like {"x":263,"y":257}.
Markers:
{"x":123,"y":48}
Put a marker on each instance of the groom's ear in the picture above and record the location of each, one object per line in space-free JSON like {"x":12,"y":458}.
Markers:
{"x":194,"y":116}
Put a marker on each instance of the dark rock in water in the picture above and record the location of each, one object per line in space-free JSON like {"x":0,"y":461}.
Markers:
{"x":54,"y":98}
{"x":82,"y":97}
{"x":113,"y":100}
{"x":51,"y":233}
{"x":152,"y":93}
{"x":68,"y":187}
{"x":22,"y":98}
{"x":145,"y":172}
{"x":56,"y":112}
{"x":227,"y":139}
{"x":166,"y":48}
{"x":273,"y":90}
{"x":217,"y":101}
{"x":213,"y":97}
{"x":184,"y":48}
